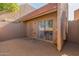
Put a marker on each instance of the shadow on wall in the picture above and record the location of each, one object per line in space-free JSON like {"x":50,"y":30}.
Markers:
{"x":9,"y":30}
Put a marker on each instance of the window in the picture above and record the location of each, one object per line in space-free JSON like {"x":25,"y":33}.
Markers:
{"x":41,"y":25}
{"x":45,"y":24}
{"x":45,"y":30}
{"x":49,"y":24}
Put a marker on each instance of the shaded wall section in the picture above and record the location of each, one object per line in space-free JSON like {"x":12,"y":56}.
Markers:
{"x":73,"y":33}
{"x":11,"y":30}
{"x":32,"y":26}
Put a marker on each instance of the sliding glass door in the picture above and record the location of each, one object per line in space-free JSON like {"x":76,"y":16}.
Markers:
{"x":46,"y":30}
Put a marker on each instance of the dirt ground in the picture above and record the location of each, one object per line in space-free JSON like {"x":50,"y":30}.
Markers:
{"x":28,"y":47}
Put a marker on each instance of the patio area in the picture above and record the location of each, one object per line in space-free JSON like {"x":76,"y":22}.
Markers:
{"x":29,"y":47}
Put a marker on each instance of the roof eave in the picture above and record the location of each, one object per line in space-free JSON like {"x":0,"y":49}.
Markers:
{"x":52,"y":11}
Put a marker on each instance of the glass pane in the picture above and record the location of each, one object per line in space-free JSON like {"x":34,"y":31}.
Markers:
{"x":50,"y":23}
{"x":41,"y":25}
{"x":49,"y":35}
{"x":41,"y":34}
{"x":46,"y":24}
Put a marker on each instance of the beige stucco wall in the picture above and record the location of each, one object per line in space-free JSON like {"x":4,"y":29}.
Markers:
{"x":62,"y":17}
{"x":11,"y":30}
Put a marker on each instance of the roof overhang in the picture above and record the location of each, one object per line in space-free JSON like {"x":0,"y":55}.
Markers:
{"x":49,"y":8}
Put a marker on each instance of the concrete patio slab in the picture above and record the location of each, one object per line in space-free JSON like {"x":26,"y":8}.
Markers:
{"x":28,"y":47}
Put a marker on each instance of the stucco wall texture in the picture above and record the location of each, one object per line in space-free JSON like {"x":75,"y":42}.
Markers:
{"x":76,"y":15}
{"x":11,"y":30}
{"x":73,"y":33}
{"x":32,"y":26}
